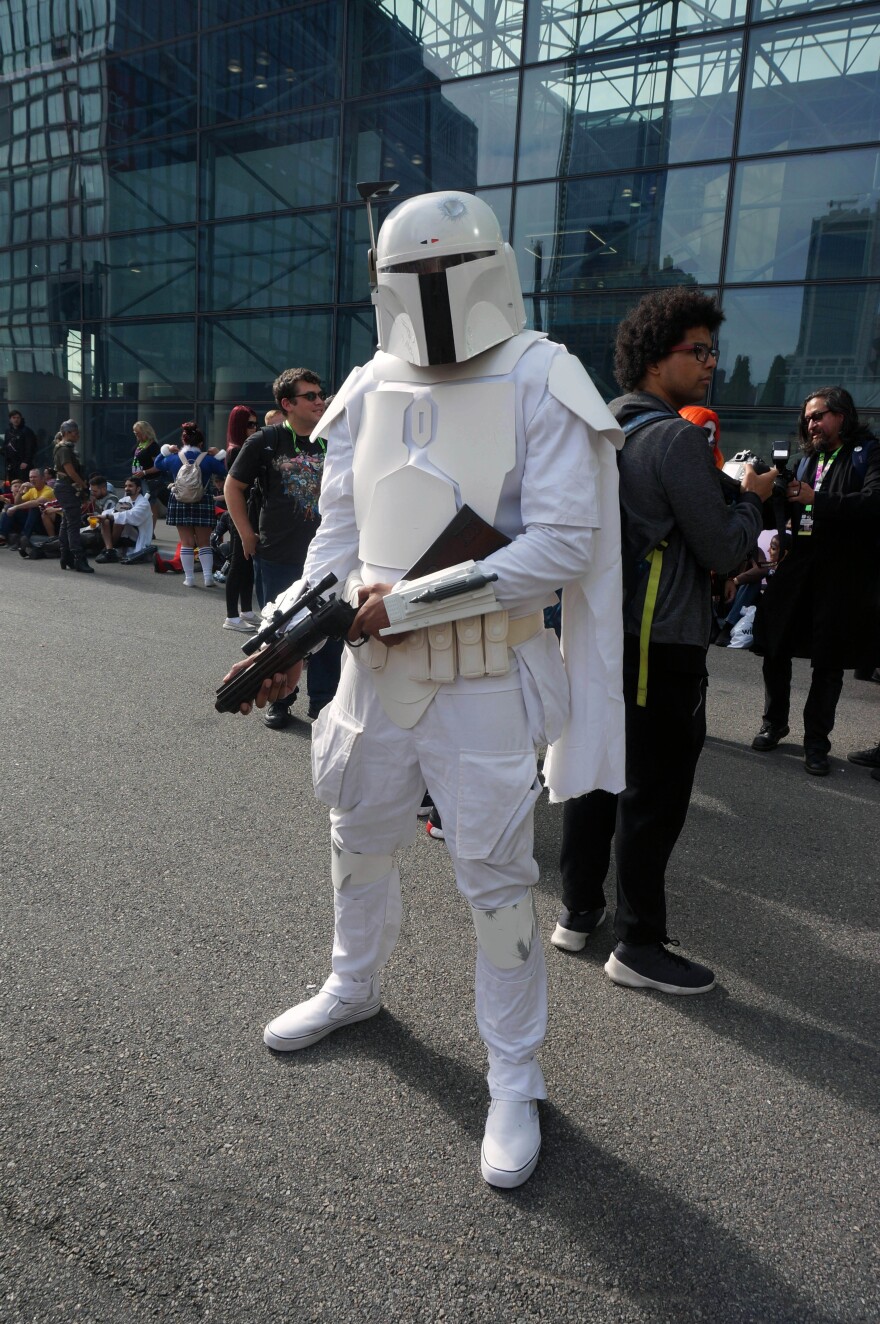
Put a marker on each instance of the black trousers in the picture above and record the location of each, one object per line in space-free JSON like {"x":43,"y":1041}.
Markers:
{"x":821,"y":705}
{"x":71,"y":517}
{"x":663,"y":744}
{"x":240,"y":580}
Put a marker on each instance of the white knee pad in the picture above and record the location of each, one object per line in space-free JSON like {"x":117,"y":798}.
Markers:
{"x":506,"y":935}
{"x":353,"y":870}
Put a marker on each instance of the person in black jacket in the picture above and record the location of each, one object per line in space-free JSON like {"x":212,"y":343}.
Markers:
{"x":676,"y":529}
{"x":19,"y":446}
{"x":824,"y":601}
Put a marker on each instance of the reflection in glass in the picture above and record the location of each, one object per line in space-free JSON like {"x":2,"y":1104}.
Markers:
{"x":630,"y":110}
{"x":244,"y":355}
{"x":145,"y":22}
{"x":141,"y":274}
{"x":458,"y":136}
{"x":41,"y":282}
{"x":283,"y":62}
{"x":807,"y":218}
{"x":355,"y":340}
{"x":39,"y":205}
{"x":277,"y":165}
{"x":272,"y":262}
{"x":36,"y":364}
{"x":142,"y":361}
{"x":230,"y":11}
{"x":150,"y":94}
{"x":129,"y":189}
{"x":781,"y":8}
{"x":569,"y":27}
{"x":652,"y":228}
{"x":394,"y":44}
{"x":779,"y":343}
{"x":812,"y":86}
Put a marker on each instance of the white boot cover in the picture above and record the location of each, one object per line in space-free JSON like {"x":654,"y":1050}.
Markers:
{"x":511,"y":1143}
{"x":366,"y":894}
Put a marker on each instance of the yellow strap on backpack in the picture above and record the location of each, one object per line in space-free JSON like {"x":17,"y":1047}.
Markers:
{"x":655,"y":560}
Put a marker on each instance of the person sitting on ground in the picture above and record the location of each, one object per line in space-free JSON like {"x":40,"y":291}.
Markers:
{"x":22,"y":518}
{"x":11,"y":489}
{"x":129,"y":524}
{"x":747,"y":586}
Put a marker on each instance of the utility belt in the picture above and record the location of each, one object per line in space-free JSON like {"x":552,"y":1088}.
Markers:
{"x":473,"y":646}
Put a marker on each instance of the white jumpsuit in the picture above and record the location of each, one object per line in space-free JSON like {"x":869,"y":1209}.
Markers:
{"x":548,"y":486}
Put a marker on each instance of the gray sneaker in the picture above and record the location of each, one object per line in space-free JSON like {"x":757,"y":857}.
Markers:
{"x":653,"y":966}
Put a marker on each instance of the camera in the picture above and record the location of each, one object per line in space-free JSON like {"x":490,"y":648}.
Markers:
{"x":784,"y":475}
{"x":732,"y":473}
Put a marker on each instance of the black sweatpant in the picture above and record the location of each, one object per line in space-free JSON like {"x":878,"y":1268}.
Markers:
{"x":663,"y":744}
{"x":820,"y":708}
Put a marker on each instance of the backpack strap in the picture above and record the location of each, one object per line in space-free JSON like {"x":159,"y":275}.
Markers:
{"x":653,"y":562}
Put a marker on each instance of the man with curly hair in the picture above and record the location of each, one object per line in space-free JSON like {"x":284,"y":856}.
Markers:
{"x":676,"y":528}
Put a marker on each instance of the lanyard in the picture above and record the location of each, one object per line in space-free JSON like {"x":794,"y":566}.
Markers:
{"x":321,"y":442}
{"x":821,"y":470}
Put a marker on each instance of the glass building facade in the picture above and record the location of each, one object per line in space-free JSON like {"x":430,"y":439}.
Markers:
{"x":179,"y":219}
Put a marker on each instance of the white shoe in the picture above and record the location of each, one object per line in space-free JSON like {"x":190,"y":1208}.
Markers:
{"x":237,"y":623}
{"x":189,"y":583}
{"x":511,"y":1143}
{"x":208,"y":583}
{"x":252,"y":618}
{"x":309,"y":1021}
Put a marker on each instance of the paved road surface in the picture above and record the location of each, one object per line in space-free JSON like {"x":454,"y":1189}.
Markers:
{"x":165,"y":893}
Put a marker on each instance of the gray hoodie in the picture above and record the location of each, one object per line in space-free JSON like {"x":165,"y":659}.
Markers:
{"x":670,"y":489}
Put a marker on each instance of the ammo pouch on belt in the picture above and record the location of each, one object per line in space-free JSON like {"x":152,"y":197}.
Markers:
{"x":473,"y":646}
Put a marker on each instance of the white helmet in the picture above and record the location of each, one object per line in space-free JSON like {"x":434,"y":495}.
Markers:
{"x":447,"y":285}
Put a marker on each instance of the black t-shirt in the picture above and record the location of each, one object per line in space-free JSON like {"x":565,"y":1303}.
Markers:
{"x":289,"y":470}
{"x":144,"y":457}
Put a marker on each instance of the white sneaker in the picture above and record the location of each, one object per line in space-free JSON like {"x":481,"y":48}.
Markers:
{"x":208,"y":583}
{"x":309,"y":1021}
{"x":189,"y":583}
{"x":252,"y":617}
{"x":511,"y":1143}
{"x":236,"y":623}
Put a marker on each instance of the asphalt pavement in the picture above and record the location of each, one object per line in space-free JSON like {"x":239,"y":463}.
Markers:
{"x":166,"y":891}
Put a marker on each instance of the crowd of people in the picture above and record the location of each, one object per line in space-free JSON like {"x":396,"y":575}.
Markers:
{"x":453,"y":682}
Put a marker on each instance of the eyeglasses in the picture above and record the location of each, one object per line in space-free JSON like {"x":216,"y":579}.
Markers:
{"x":311,"y":396}
{"x":818,"y":416}
{"x":251,"y":423}
{"x":702,"y":353}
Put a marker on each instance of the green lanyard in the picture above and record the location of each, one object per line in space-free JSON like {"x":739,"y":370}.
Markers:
{"x":321,"y":441}
{"x":821,"y":471}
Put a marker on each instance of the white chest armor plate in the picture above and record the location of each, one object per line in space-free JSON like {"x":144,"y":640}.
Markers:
{"x":421,"y":453}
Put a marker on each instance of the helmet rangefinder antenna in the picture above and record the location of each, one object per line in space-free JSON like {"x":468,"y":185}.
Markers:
{"x":380,"y":188}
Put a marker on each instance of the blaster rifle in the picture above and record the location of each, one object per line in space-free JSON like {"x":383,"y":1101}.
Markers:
{"x":324,"y":618}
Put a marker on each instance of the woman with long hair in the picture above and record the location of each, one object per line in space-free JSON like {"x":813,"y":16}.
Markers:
{"x":240,"y":428}
{"x":193,"y":518}
{"x":143,"y":462}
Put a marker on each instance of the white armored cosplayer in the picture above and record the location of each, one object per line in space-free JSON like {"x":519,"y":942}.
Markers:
{"x":462,"y":407}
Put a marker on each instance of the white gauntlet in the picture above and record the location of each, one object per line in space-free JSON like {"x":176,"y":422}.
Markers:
{"x":447,"y":595}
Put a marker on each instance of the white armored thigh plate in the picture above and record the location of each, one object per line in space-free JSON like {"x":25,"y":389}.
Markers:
{"x":380,"y":447}
{"x":475,"y":439}
{"x":403,"y":698}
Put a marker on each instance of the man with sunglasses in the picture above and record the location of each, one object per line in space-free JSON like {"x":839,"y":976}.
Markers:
{"x":824,"y":601}
{"x":283,"y":466}
{"x":676,"y":528}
